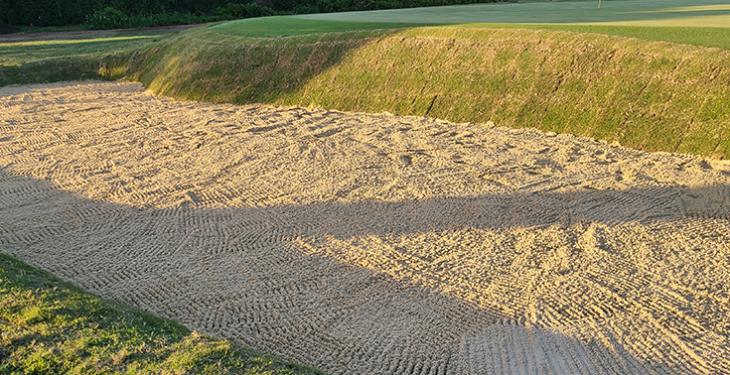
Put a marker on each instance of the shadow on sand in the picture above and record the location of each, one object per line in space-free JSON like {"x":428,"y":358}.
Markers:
{"x":413,"y":287}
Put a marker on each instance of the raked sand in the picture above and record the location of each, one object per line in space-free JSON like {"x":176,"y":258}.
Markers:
{"x":371,"y":243}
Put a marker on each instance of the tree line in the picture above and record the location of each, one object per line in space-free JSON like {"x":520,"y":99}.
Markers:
{"x":106,"y":14}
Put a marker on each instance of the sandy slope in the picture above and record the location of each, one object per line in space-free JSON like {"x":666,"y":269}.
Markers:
{"x":373,"y":244}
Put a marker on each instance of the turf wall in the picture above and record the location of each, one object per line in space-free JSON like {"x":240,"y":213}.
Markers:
{"x":655,"y":96}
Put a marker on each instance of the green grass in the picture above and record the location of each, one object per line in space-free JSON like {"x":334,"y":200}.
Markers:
{"x":655,"y":96}
{"x":696,"y":36}
{"x":17,"y":53}
{"x":717,"y":37}
{"x":561,"y":77}
{"x":704,"y":23}
{"x":51,"y":327}
{"x":668,"y":12}
{"x":288,"y":26}
{"x":50,"y":59}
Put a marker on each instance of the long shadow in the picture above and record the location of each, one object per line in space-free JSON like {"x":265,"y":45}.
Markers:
{"x":487,"y":284}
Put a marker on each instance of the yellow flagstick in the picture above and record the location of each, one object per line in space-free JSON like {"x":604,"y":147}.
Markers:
{"x":599,"y":4}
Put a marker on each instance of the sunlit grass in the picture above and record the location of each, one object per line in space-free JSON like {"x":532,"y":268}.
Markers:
{"x":706,"y":23}
{"x":52,"y":42}
{"x":654,"y":96}
{"x":699,"y":8}
{"x":697,"y":36}
{"x":26,"y":50}
{"x":289,"y":26}
{"x":718,"y":37}
{"x":543,"y":12}
{"x":50,"y":58}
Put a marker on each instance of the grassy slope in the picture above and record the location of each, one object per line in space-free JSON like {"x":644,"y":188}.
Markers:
{"x":697,"y":36}
{"x":655,"y":96}
{"x":51,"y":327}
{"x":652,"y":96}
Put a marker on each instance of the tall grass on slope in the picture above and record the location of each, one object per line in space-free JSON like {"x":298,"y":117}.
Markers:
{"x":50,"y":327}
{"x":207,"y":66}
{"x":655,"y":96}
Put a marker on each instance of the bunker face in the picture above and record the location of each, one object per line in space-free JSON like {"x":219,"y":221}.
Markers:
{"x":373,"y":244}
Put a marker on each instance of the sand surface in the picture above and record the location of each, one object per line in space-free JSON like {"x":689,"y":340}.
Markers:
{"x":371,"y":243}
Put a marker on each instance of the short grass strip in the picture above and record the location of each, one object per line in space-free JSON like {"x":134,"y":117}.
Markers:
{"x":696,"y":36}
{"x":68,"y":58}
{"x":16,"y":51}
{"x":288,"y":26}
{"x":48,"y":326}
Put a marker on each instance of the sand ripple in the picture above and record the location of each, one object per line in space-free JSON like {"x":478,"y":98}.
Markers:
{"x":371,"y":243}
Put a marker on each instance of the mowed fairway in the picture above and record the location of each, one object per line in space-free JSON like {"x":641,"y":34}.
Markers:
{"x":371,"y":243}
{"x":702,"y":23}
{"x":668,"y":12}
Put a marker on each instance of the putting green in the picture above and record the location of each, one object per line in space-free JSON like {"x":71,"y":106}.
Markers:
{"x":637,"y":12}
{"x":705,"y":23}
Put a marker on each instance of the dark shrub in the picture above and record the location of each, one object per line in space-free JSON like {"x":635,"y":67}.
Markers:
{"x":306,"y":9}
{"x":171,"y":12}
{"x":237,"y":11}
{"x":105,"y":19}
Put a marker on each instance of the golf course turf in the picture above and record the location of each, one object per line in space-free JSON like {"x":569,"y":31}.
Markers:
{"x":649,"y":75}
{"x":52,"y":327}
